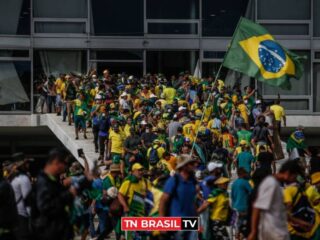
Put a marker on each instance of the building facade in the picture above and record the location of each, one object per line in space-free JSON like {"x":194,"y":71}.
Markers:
{"x":45,"y":37}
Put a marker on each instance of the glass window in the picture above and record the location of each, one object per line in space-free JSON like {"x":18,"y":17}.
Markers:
{"x":130,"y":68}
{"x":15,"y":17}
{"x":15,"y":86}
{"x":171,"y":62}
{"x":299,"y":87}
{"x":316,"y":87}
{"x":168,"y":9}
{"x":14,"y":53}
{"x":214,"y":54}
{"x":60,"y":8}
{"x":220,"y":18}
{"x":300,"y":104}
{"x":116,"y":55}
{"x":317,"y":55}
{"x":117,"y":18}
{"x":316,"y":18}
{"x":284,"y":9}
{"x":287,"y":29}
{"x":51,"y":63}
{"x":210,"y":69}
{"x":173,"y":28}
{"x":60,"y":27}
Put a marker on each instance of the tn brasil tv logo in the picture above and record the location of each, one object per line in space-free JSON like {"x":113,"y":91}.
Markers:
{"x":160,"y":224}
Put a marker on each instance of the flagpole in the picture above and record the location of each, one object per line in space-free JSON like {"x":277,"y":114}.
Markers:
{"x":205,"y":106}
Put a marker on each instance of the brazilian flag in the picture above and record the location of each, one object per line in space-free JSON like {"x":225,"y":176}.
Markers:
{"x":254,"y":52}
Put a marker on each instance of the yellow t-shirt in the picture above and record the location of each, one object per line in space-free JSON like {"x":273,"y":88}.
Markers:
{"x":278,"y":112}
{"x":127,"y":130}
{"x":219,"y":206}
{"x":117,"y":140}
{"x":314,"y":197}
{"x":189,"y":131}
{"x":59,"y":85}
{"x":243,"y":111}
{"x":160,"y":151}
{"x":169,"y":94}
{"x":288,"y":194}
{"x":128,"y":188}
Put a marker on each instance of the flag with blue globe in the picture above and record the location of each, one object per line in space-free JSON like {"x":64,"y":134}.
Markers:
{"x":254,"y":52}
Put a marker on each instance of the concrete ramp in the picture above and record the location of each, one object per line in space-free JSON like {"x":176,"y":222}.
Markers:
{"x":66,"y":134}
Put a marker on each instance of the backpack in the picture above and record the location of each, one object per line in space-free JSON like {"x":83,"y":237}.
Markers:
{"x":154,"y":158}
{"x":302,"y":210}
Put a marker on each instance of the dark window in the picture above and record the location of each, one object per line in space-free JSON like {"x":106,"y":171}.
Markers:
{"x":14,"y":53}
{"x":117,"y":17}
{"x":316,"y":87}
{"x":60,"y":8}
{"x":284,"y":9}
{"x":220,"y":18}
{"x":15,"y":17}
{"x":168,"y":9}
{"x":171,"y":62}
{"x":316,"y":18}
{"x":60,"y":27}
{"x":213,"y":54}
{"x":172,"y":28}
{"x":116,"y":55}
{"x":293,"y":104}
{"x":15,"y":86}
{"x":317,"y":55}
{"x":287,"y":29}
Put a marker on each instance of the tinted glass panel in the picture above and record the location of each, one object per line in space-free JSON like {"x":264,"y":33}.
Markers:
{"x":213,"y":54}
{"x":60,"y":8}
{"x":316,"y":18}
{"x":117,"y":17}
{"x":316,"y":87}
{"x":287,"y":29}
{"x":116,"y":55}
{"x":171,"y":62}
{"x":15,"y":86}
{"x":15,"y":17}
{"x":14,"y":53}
{"x":168,"y":9}
{"x":299,"y":87}
{"x":284,"y":9}
{"x":60,"y":27}
{"x":294,"y":104}
{"x":220,"y":18}
{"x":172,"y":28}
{"x":317,"y":55}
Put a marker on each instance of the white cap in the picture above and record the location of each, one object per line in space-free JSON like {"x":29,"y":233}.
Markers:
{"x":182,"y":108}
{"x":130,"y":77}
{"x":98,"y":97}
{"x":123,"y":94}
{"x":144,"y":122}
{"x":258,"y":101}
{"x":213,"y":165}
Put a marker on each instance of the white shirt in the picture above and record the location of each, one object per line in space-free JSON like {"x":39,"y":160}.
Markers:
{"x":21,"y":186}
{"x":273,"y":216}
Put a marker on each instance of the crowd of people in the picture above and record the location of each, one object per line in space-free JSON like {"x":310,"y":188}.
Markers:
{"x":167,"y":147}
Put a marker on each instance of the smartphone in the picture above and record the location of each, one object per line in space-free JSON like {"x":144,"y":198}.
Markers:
{"x":80,"y":152}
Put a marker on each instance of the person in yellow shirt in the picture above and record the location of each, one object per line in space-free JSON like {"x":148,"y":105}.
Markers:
{"x":299,"y":227}
{"x":154,"y":159}
{"x":115,"y":146}
{"x":313,"y":192}
{"x":218,"y":202}
{"x":279,"y":114}
{"x":189,"y":131}
{"x":169,"y":93}
{"x":59,"y":87}
{"x":244,"y":112}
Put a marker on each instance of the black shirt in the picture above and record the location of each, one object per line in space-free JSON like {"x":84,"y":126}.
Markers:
{"x":265,"y":160}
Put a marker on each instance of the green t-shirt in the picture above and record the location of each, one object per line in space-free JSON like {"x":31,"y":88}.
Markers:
{"x":244,"y":135}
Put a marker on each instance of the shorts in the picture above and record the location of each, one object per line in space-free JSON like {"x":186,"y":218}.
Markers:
{"x":79,"y":122}
{"x":242,"y":224}
{"x":58,"y":100}
{"x":219,"y":230}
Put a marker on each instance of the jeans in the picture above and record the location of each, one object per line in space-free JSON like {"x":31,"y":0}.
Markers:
{"x":95,"y":131}
{"x":105,"y":223}
{"x":102,"y":145}
{"x":64,"y":111}
{"x":51,"y":103}
{"x":92,"y":229}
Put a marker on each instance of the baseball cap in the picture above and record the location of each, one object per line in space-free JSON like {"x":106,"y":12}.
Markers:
{"x":213,"y":165}
{"x":137,"y":166}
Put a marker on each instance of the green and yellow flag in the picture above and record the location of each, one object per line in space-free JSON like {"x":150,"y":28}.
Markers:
{"x":254,"y":52}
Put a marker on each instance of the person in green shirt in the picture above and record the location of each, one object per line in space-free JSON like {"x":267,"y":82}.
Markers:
{"x":80,"y":114}
{"x":244,"y":134}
